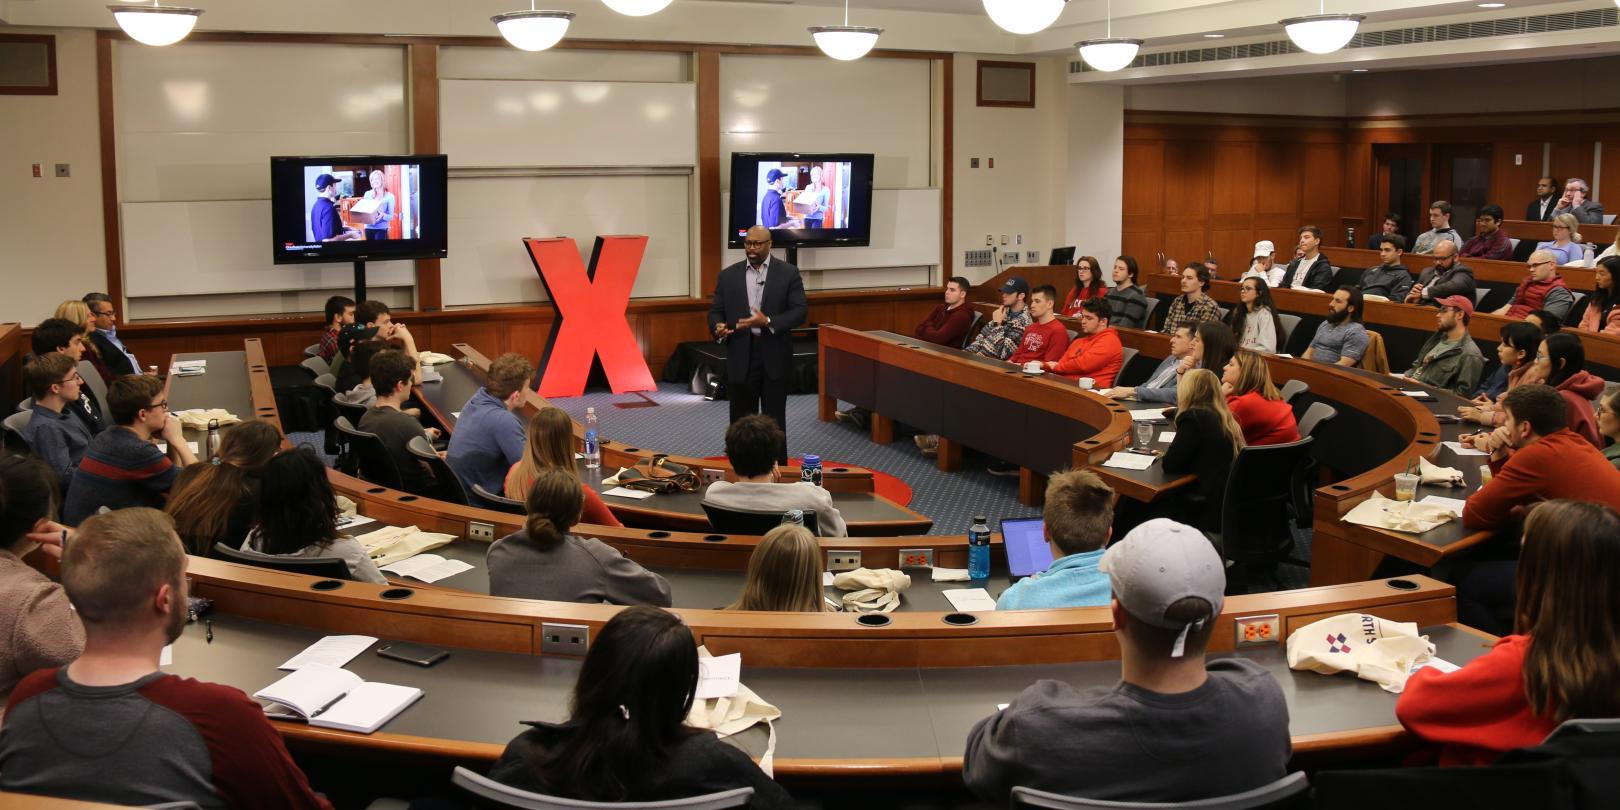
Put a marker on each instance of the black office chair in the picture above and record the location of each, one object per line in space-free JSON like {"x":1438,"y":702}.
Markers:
{"x":447,"y":485}
{"x":1289,"y":323}
{"x":315,"y":366}
{"x":500,"y":502}
{"x":374,"y":462}
{"x":312,"y":350}
{"x":1126,"y":355}
{"x":1147,"y":315}
{"x":1255,"y":534}
{"x":973,"y":329}
{"x":1288,"y":791}
{"x":501,"y":795}
{"x":15,"y":424}
{"x":323,"y":567}
{"x":1317,"y":415}
{"x":752,"y":521}
{"x":349,"y":412}
{"x":1291,"y":391}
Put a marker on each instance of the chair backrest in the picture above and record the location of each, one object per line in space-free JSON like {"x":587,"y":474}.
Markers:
{"x":376,"y":465}
{"x":1289,"y":321}
{"x":493,"y":791}
{"x":973,"y":328}
{"x":326,"y":567}
{"x":500,"y":502}
{"x":16,"y":422}
{"x":312,"y":350}
{"x":27,"y":404}
{"x":1072,"y":334}
{"x":1315,"y":416}
{"x":1259,"y":489}
{"x":1226,"y":313}
{"x":1147,"y":314}
{"x":351,"y":412}
{"x":92,"y":378}
{"x":327,"y":381}
{"x":1293,"y":388}
{"x":752,"y":521}
{"x":1126,"y":355}
{"x":1347,"y":275}
{"x":449,"y":484}
{"x":1573,"y":726}
{"x":315,"y":366}
{"x":1480,"y":293}
{"x":1285,"y":792}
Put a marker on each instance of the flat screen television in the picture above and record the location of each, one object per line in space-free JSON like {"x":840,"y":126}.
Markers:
{"x":807,"y":200}
{"x":358,"y":208}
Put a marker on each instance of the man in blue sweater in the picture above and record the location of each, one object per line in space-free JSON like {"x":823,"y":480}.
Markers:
{"x":1079,"y":518}
{"x":488,"y":438}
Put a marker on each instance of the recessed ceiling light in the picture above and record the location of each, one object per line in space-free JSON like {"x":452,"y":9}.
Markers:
{"x":1493,"y":5}
{"x":1214,"y":36}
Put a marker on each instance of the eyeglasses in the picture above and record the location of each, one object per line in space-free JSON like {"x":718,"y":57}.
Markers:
{"x":1534,"y":265}
{"x":72,"y":378}
{"x":161,"y":406}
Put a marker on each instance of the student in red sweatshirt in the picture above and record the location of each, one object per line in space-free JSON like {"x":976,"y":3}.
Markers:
{"x":1097,"y":353}
{"x":948,"y":324}
{"x":1255,"y":401}
{"x":1562,"y":661}
{"x":1046,"y":337}
{"x":1549,"y":461}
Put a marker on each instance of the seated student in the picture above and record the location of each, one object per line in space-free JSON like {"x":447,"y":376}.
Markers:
{"x":1548,"y":323}
{"x":1450,"y":358}
{"x":1542,"y":289}
{"x":77,"y":313}
{"x":948,"y":324}
{"x":1264,"y":265}
{"x":1548,"y":461}
{"x":1448,"y":276}
{"x":1561,"y":661}
{"x":545,"y":561}
{"x":62,"y":335}
{"x":1440,"y":229}
{"x":56,"y":436}
{"x":1210,"y":345}
{"x":1000,"y":337}
{"x":1608,"y":419}
{"x":1207,"y":439}
{"x":339,"y":313}
{"x":1565,"y":245}
{"x":1126,"y":298}
{"x":354,"y":386}
{"x":111,"y":713}
{"x":373,"y":319}
{"x":489,"y":434}
{"x":1341,"y":339}
{"x":1597,"y":312}
{"x":549,"y":444}
{"x":1254,"y":321}
{"x":1163,"y":379}
{"x":1310,"y":269}
{"x":753,"y":444}
{"x":1255,"y":401}
{"x":1490,"y":241}
{"x":1046,"y":337}
{"x":1194,"y":304}
{"x":626,"y":737}
{"x":1390,"y":279}
{"x":1097,"y":353}
{"x":1515,"y":354}
{"x":784,"y":573}
{"x":391,"y":372}
{"x":1561,"y":363}
{"x":120,"y":359}
{"x":1078,"y":518}
{"x":298,"y":513}
{"x":1088,"y":283}
{"x":37,"y":625}
{"x":218,"y":502}
{"x":1176,"y":728}
{"x":123,"y":467}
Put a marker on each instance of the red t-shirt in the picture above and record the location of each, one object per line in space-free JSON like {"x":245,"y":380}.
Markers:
{"x":1042,"y":341}
{"x":1264,"y":421}
{"x":1478,"y":712}
{"x":1078,"y":296}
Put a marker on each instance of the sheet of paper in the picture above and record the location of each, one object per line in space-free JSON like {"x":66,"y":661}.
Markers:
{"x":1001,"y":707}
{"x":1147,"y":415}
{"x":1454,"y":504}
{"x":429,"y":568}
{"x":1417,"y":394}
{"x":950,"y":574}
{"x":1167,"y":437}
{"x":166,"y":657}
{"x":1437,"y":663}
{"x":163,"y":447}
{"x":1126,"y":460}
{"x":719,"y":676}
{"x":455,"y":414}
{"x":1280,"y":354}
{"x":351,"y":521}
{"x":969,"y":600}
{"x":626,"y":492}
{"x":826,"y":579}
{"x":1456,"y":447}
{"x":332,"y":651}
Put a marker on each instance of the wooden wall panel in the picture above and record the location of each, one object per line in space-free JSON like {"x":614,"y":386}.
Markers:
{"x":1319,"y":192}
{"x":1144,"y":178}
{"x":1233,"y":181}
{"x":1187,"y":171}
{"x":1279,"y":179}
{"x":1513,"y":186}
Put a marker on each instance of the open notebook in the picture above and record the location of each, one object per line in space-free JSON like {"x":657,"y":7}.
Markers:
{"x":331,"y":697}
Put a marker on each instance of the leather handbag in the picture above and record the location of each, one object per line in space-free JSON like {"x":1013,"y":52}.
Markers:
{"x":659,"y":475}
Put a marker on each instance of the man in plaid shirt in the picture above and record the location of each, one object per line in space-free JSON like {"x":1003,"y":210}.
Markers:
{"x":1000,"y":337}
{"x":339,"y":313}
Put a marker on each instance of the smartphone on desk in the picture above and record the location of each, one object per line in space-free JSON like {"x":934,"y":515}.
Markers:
{"x":418,"y":654}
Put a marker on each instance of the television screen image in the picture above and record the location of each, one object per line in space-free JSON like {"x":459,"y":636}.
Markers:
{"x":336,"y":209}
{"x":805,"y":200}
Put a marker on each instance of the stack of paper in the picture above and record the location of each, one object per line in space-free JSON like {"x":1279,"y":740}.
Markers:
{"x":429,"y":568}
{"x":968,"y":600}
{"x":332,"y":651}
{"x":1147,"y":415}
{"x":188,"y":368}
{"x":1126,"y":460}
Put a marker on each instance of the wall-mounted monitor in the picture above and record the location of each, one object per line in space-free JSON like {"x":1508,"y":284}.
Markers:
{"x":358,"y":208}
{"x":806,"y":200}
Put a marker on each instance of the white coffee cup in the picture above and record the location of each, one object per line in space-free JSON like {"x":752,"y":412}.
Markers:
{"x":1033,"y":367}
{"x":1087,"y":383}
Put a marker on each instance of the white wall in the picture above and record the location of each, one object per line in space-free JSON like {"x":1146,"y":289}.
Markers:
{"x":1095,"y":145}
{"x":1312,"y":94}
{"x":1507,"y":88}
{"x":50,"y":228}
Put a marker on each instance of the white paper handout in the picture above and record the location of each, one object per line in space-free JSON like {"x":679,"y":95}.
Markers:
{"x":949,"y":574}
{"x":719,"y":676}
{"x":626,"y":492}
{"x":1454,"y":504}
{"x":969,"y":600}
{"x":1147,"y":415}
{"x":429,"y":568}
{"x":332,"y":651}
{"x":1456,"y":447}
{"x":1166,"y":437}
{"x":1126,"y":460}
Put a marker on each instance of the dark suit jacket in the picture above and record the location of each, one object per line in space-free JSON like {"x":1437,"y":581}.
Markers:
{"x":783,"y":302}
{"x":1532,"y":212}
{"x":117,"y":362}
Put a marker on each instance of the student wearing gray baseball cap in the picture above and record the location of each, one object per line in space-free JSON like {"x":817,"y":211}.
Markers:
{"x":1176,"y":727}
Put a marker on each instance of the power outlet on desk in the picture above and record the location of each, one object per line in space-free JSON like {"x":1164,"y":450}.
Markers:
{"x":916,"y":558}
{"x":564,"y":639}
{"x":1252,"y":630}
{"x":843,"y":560}
{"x":481,"y":531}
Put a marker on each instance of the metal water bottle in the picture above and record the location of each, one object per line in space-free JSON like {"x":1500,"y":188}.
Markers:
{"x":213,"y":438}
{"x":979,"y":548}
{"x":810,"y":471}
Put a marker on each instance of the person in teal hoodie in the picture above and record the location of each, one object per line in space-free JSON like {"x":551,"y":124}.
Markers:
{"x":1079,"y":518}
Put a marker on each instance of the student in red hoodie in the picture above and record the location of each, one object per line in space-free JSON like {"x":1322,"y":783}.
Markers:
{"x":1046,"y":337}
{"x":1097,"y":353}
{"x":1255,"y":401}
{"x":1562,"y":661}
{"x":1548,"y":461}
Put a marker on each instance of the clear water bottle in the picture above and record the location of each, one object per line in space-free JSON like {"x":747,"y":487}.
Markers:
{"x":590,"y":421}
{"x":810,"y":470}
{"x":979,"y":548}
{"x":593,"y":451}
{"x":213,"y":438}
{"x":794,"y":517}
{"x":1350,"y":237}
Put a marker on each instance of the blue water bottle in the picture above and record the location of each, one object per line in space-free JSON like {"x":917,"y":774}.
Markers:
{"x":810,"y":472}
{"x":593,"y":451}
{"x":979,"y":549}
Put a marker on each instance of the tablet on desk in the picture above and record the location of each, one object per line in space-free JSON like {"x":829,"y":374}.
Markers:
{"x":1027,"y":549}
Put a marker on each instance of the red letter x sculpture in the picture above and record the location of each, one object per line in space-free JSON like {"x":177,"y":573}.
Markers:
{"x":590,"y":314}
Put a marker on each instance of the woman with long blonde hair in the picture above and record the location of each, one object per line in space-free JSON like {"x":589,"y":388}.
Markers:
{"x":1207,"y":439}
{"x":549,"y":444}
{"x":784,"y":573}
{"x":1255,"y":401}
{"x":79,"y":312}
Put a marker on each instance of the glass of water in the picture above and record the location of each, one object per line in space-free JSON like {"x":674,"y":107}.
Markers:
{"x":1144,"y":435}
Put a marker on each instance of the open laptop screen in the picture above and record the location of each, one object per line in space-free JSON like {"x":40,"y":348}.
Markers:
{"x":1027,"y":550}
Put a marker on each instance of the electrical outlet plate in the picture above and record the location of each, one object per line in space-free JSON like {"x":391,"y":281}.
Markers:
{"x":843,"y":560}
{"x":1253,"y":630}
{"x":564,"y":639}
{"x":481,"y":531}
{"x":916,"y":558}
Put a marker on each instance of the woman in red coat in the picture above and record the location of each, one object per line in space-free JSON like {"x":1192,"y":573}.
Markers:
{"x":1256,"y":402}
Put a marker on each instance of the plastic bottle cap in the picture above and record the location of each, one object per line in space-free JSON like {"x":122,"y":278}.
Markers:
{"x":812,"y":460}
{"x":979,"y":518}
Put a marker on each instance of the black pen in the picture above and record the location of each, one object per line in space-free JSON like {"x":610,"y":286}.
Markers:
{"x":208,"y":630}
{"x":329,"y":704}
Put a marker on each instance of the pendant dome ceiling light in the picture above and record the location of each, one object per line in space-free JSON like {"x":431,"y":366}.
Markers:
{"x":845,"y":42}
{"x":1324,"y":32}
{"x":156,"y":24}
{"x":1110,"y":53}
{"x":533,"y":30}
{"x":637,"y":8}
{"x":1024,"y":16}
